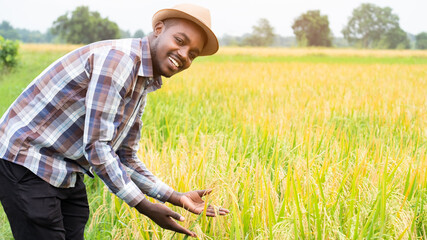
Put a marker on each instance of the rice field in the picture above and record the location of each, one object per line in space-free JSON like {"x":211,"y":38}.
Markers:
{"x":296,"y":143}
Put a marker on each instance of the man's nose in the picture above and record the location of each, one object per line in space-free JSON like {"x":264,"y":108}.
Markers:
{"x":184,"y":53}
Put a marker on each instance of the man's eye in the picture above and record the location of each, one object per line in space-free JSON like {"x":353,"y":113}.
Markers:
{"x":179,"y":40}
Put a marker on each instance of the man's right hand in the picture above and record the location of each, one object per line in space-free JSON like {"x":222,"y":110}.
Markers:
{"x":163,"y":216}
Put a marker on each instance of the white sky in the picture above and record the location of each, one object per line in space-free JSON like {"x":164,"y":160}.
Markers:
{"x":234,"y":17}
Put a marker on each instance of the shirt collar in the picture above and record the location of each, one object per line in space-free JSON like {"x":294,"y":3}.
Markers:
{"x":146,"y":68}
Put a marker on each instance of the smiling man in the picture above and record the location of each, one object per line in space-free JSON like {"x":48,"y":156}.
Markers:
{"x":180,"y":43}
{"x":82,"y":115}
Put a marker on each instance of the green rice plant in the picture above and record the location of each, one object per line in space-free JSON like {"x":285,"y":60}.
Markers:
{"x":297,"y":143}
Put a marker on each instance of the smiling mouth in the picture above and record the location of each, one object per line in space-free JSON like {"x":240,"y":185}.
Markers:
{"x":174,"y":62}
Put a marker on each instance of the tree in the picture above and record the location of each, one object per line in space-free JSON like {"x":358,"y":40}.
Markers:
{"x":421,"y":40}
{"x":84,"y":27}
{"x":29,"y":36}
{"x":124,"y":33}
{"x":262,"y":34}
{"x":139,"y":34}
{"x":7,"y":31}
{"x":8,"y":52}
{"x":371,"y":26}
{"x":312,"y":29}
{"x":394,"y":38}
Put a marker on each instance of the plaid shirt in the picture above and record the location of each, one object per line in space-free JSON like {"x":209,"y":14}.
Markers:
{"x":84,"y":112}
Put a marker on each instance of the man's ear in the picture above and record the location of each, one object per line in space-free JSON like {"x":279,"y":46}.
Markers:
{"x":158,"y":28}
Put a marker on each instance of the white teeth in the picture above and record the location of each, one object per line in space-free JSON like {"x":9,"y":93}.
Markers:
{"x":174,"y":62}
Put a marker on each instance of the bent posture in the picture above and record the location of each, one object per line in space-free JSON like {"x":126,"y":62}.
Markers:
{"x":83,"y":115}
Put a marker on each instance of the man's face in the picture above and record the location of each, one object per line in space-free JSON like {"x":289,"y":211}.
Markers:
{"x":176,"y":43}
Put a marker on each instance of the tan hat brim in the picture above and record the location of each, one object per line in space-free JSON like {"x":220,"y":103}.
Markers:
{"x":211,"y":46}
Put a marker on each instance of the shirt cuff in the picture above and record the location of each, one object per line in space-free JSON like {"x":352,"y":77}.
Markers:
{"x":131,"y":194}
{"x":161,"y":191}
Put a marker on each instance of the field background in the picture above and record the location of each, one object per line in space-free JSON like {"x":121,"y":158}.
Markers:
{"x":297,"y":143}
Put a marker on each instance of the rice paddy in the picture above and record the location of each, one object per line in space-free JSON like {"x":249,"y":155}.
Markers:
{"x":296,"y":143}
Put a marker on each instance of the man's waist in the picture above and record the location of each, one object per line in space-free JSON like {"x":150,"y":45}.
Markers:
{"x":53,"y":171}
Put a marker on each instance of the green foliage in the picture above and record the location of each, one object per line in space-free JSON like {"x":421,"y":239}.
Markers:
{"x":312,"y":29}
{"x":7,"y":31}
{"x":421,"y":39}
{"x":317,"y":58}
{"x":139,"y":34}
{"x":229,"y":40}
{"x":396,"y":38}
{"x":8,"y":52}
{"x":262,"y":34}
{"x":371,"y":26}
{"x":84,"y":27}
{"x":23,"y":35}
{"x":124,"y":34}
{"x":32,"y":62}
{"x":29,"y":36}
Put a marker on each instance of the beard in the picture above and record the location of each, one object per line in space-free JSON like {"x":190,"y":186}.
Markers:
{"x":154,"y":60}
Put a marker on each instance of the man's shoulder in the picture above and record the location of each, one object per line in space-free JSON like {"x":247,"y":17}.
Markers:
{"x":129,"y":46}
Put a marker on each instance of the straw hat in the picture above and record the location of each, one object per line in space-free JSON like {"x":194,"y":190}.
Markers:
{"x":199,"y":15}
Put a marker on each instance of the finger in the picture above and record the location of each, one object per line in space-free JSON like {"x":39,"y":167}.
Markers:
{"x":210,"y":207}
{"x":223,"y":211}
{"x":210,"y":212}
{"x":176,"y":216}
{"x":204,"y":192}
{"x":220,"y":209}
{"x":178,"y":228}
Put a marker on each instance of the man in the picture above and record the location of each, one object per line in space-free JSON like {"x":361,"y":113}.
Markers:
{"x":83,"y":114}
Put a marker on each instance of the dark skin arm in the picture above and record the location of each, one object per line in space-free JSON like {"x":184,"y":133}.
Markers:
{"x":163,"y":216}
{"x":191,"y":201}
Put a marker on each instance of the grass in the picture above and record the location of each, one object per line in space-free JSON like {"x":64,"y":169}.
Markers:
{"x":317,"y":59}
{"x":297,"y":143}
{"x":318,"y":55}
{"x":33,"y":60}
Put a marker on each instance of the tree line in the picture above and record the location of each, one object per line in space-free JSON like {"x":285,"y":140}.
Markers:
{"x":81,"y":26}
{"x":369,"y":26}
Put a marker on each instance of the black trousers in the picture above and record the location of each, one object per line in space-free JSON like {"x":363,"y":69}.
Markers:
{"x":37,"y":210}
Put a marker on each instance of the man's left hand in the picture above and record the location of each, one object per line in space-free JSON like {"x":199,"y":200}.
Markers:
{"x":193,"y":202}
